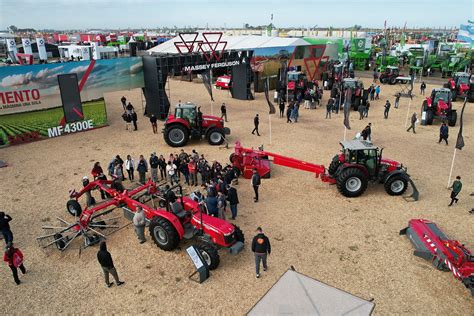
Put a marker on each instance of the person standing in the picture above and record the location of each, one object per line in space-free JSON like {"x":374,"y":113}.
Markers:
{"x":397,"y":100}
{"x":329,"y":107}
{"x":282,"y":107}
{"x":139,"y":222}
{"x":377,"y":92}
{"x":375,"y":75}
{"x":456,"y":189}
{"x":124,"y":103}
{"x":171,"y":171}
{"x":184,"y":169}
{"x":387,"y":109}
{"x":5,"y":227}
{"x":134,"y":120}
{"x":233,"y":199}
{"x":14,"y":258}
{"x":154,"y":126}
{"x":362,"y":110}
{"x":367,"y":132}
{"x":261,"y":248}
{"x":105,"y":260}
{"x":154,"y":167}
{"x":211,"y":205}
{"x":130,"y":167}
{"x":142,"y":169}
{"x":192,"y":167}
{"x":162,"y":165}
{"x":221,"y":205}
{"x":255,"y":183}
{"x":372,"y":93}
{"x":289,"y":110}
{"x":422,"y":88}
{"x":443,"y":133}
{"x":413,"y":123}
{"x":367,"y":107}
{"x":256,"y":122}
{"x":223,"y":111}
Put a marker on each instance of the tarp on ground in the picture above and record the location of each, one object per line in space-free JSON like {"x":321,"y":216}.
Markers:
{"x":298,"y":294}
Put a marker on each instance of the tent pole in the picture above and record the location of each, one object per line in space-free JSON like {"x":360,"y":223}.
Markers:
{"x":270,"y":126}
{"x":408,"y":113}
{"x":452,"y":165}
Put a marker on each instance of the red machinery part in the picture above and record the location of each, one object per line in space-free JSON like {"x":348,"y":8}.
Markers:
{"x":445,"y":254}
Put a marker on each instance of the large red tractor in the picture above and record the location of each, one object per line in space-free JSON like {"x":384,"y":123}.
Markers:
{"x":460,"y":86}
{"x":188,"y":122}
{"x":358,"y":163}
{"x":180,"y":219}
{"x":444,"y":254}
{"x":392,"y":75}
{"x":438,"y":105}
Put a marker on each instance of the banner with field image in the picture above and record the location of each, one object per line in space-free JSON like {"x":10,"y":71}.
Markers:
{"x":30,"y":101}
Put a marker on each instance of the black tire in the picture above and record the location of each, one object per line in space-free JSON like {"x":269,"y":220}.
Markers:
{"x":176,"y":135}
{"x":454,"y":96}
{"x":163,"y":233}
{"x":231,"y":158}
{"x":383,"y":80}
{"x":335,"y":163}
{"x":210,"y":255}
{"x":393,"y":80}
{"x":429,"y":117}
{"x":60,"y":243}
{"x":238,"y":233}
{"x":162,"y":204}
{"x":352,"y":182}
{"x":236,"y":171}
{"x":396,"y":184}
{"x":452,"y":119}
{"x":215,"y":137}
{"x":74,"y":208}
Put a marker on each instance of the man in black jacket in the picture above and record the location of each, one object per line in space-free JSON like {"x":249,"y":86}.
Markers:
{"x":107,"y":264}
{"x":233,"y":199}
{"x":5,"y":227}
{"x":255,"y":183}
{"x":261,"y":247}
{"x":256,"y":121}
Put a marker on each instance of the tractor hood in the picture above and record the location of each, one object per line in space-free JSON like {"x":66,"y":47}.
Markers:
{"x":214,"y":224}
{"x":391,"y":163}
{"x":211,"y":118}
{"x":463,"y":87}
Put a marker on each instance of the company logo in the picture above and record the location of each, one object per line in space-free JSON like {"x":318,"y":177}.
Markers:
{"x":209,"y":48}
{"x":12,"y":42}
{"x":27,"y":42}
{"x":41,"y":42}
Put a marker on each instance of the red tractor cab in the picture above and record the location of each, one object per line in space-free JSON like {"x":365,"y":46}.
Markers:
{"x":358,"y":163}
{"x":188,"y":122}
{"x":460,"y":85}
{"x":439,"y":105}
{"x":223,"y":82}
{"x":391,"y":75}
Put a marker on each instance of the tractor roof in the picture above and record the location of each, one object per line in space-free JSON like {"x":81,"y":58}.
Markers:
{"x":392,"y":67}
{"x":357,"y":144}
{"x":187,"y":105}
{"x":461,"y":74}
{"x":443,"y":90}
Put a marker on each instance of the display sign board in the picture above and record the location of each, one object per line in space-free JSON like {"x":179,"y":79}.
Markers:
{"x":41,"y":48}
{"x":27,"y":46}
{"x":199,"y":263}
{"x":70,"y":97}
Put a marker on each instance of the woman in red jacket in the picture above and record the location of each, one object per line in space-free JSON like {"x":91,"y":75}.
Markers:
{"x":14,"y":258}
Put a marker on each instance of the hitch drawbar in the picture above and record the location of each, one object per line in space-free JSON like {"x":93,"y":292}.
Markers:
{"x":445,"y":254}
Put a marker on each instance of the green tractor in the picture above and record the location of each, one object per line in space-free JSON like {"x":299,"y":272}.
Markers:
{"x":384,"y":62}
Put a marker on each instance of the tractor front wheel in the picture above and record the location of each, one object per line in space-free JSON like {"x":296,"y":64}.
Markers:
{"x":452,"y":118}
{"x":393,"y":80}
{"x":210,"y":255}
{"x":334,"y":165}
{"x":352,"y":182}
{"x":215,"y":137}
{"x":429,"y":117}
{"x":164,"y":234}
{"x":396,"y":185}
{"x":74,"y":208}
{"x":176,"y":135}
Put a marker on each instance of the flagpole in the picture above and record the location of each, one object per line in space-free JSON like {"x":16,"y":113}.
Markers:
{"x":345,"y":131}
{"x":452,"y":165}
{"x":212,"y":99}
{"x":408,"y":112}
{"x":270,"y":126}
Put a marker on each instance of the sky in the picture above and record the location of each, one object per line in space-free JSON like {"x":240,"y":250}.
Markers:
{"x":90,"y":14}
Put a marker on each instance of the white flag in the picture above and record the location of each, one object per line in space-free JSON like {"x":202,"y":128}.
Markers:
{"x":95,"y":51}
{"x":41,"y":48}
{"x":27,"y":46}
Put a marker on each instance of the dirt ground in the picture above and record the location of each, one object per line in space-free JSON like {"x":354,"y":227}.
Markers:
{"x":352,"y":244}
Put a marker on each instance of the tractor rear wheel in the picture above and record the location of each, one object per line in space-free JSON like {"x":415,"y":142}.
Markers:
{"x":335,"y":163}
{"x":396,"y":185}
{"x":215,"y":137}
{"x":429,"y":117}
{"x":452,"y":118}
{"x":231,"y":158}
{"x":352,"y":182}
{"x":74,"y":208}
{"x":163,"y":233}
{"x":210,"y":254}
{"x":239,"y":235}
{"x":393,"y":80}
{"x":176,"y":135}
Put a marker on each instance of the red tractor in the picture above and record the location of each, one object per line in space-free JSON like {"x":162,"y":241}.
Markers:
{"x":439,"y":105}
{"x":444,"y":254}
{"x":460,"y":86}
{"x":181,"y":218}
{"x":392,"y":75}
{"x":358,"y":163}
{"x":224,"y":82}
{"x":188,"y":122}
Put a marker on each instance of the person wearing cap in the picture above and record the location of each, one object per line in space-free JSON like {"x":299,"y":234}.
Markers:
{"x":14,"y":258}
{"x":139,"y":223}
{"x":255,"y":183}
{"x":223,"y":112}
{"x":261,"y":248}
{"x":154,"y":167}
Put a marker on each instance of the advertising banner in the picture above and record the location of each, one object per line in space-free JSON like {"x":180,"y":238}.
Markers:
{"x":27,"y":46}
{"x":95,"y":51}
{"x":41,"y":48}
{"x":11,"y":48}
{"x":30,"y":101}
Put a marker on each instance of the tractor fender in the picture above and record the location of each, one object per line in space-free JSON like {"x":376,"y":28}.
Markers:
{"x":212,"y":126}
{"x":173,"y":219}
{"x":349,"y":165}
{"x":180,"y":121}
{"x":387,"y":176}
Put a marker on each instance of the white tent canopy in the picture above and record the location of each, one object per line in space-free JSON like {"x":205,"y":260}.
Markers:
{"x":244,"y":42}
{"x":297,"y":294}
